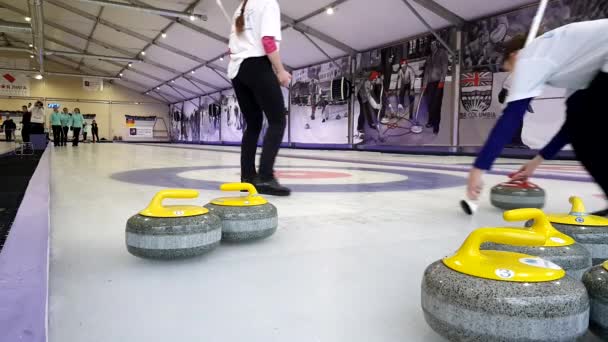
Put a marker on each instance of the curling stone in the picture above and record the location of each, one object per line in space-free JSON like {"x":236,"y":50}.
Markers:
{"x":559,"y":248}
{"x":503,"y":296}
{"x":244,"y":218}
{"x":596,"y":281}
{"x":588,"y":230}
{"x":517,"y":194}
{"x":173,"y":232}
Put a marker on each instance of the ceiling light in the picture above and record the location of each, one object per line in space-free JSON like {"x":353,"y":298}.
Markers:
{"x":192,"y":18}
{"x":28,"y":19}
{"x":38,"y":77}
{"x":143,"y":53}
{"x":120,"y":75}
{"x":192,"y":72}
{"x":222,"y":58}
{"x":172,"y":81}
{"x":31,"y":56}
{"x":164,"y":35}
{"x":330,"y":11}
{"x":130,"y":65}
{"x":31,"y":45}
{"x":157,"y":88}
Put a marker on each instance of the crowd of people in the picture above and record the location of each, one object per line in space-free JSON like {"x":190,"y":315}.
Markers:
{"x":59,"y":125}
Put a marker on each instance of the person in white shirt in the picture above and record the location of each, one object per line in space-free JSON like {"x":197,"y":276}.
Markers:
{"x":38,"y":118}
{"x":573,"y":57}
{"x":257,"y":74}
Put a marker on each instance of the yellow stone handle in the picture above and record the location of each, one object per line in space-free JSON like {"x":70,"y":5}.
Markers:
{"x":157,"y":202}
{"x":577,"y":206}
{"x":239,"y":187}
{"x":541,"y":224}
{"x":503,"y":236}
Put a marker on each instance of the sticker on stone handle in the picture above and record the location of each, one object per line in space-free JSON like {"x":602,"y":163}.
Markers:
{"x":540,"y":263}
{"x":504,"y":273}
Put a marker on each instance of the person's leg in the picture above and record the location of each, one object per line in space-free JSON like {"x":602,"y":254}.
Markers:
{"x":76,"y":136}
{"x":25,"y":133}
{"x":260,"y":78}
{"x":254,"y":117}
{"x":429,"y":94}
{"x":56,"y":135}
{"x":583,"y":107}
{"x":64,"y":136}
{"x":270,"y":98}
{"x":9,"y":134}
{"x":361,"y":119}
{"x":436,"y":109}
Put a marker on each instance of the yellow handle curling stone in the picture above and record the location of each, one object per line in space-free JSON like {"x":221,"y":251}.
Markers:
{"x":480,"y":295}
{"x":244,"y":218}
{"x":172,"y":231}
{"x":588,"y":230}
{"x":558,"y":248}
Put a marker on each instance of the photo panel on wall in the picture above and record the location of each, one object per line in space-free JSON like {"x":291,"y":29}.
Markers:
{"x":317,"y":114}
{"x":212,"y":113}
{"x":403,"y":94}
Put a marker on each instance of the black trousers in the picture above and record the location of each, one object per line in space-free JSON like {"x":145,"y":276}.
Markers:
{"x":25,"y":133}
{"x":64,"y":135}
{"x":57,"y":135}
{"x":365,"y":114}
{"x":586,"y":121}
{"x":37,"y":128}
{"x":258,"y":92}
{"x":435,"y":101}
{"x":9,"y":134}
{"x":76,"y":131}
{"x":95,"y":135}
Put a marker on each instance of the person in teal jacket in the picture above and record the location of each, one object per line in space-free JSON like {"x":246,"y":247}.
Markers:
{"x":77,"y":123}
{"x":56,"y":126}
{"x":66,"y":119}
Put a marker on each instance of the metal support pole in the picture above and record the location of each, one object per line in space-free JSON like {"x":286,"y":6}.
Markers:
{"x":457,"y":65}
{"x":320,"y":49}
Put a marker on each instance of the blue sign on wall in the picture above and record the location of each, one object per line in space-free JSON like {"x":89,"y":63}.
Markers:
{"x":54,"y":105}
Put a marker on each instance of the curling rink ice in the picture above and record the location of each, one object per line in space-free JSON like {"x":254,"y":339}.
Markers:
{"x":345,"y":265}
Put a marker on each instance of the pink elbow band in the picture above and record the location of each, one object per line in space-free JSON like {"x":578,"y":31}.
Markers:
{"x":270,"y":45}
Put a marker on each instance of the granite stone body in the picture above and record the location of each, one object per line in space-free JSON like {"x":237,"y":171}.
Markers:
{"x":595,"y":239}
{"x":172,"y":238}
{"x":461,"y":307}
{"x":246,"y":223}
{"x":574,"y":259}
{"x":596,"y":281}
{"x":508,"y":198}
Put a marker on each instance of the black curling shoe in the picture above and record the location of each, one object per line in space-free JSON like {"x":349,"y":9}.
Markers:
{"x":272,"y":187}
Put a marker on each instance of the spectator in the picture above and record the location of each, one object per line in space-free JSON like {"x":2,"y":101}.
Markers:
{"x":85,"y":131}
{"x":25,"y":123}
{"x":38,"y":118}
{"x":66,"y":118}
{"x":95,"y":131}
{"x":56,"y":126}
{"x":77,"y":122}
{"x":9,"y":127}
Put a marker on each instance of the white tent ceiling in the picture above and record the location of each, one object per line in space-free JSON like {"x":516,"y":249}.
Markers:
{"x":186,"y":63}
